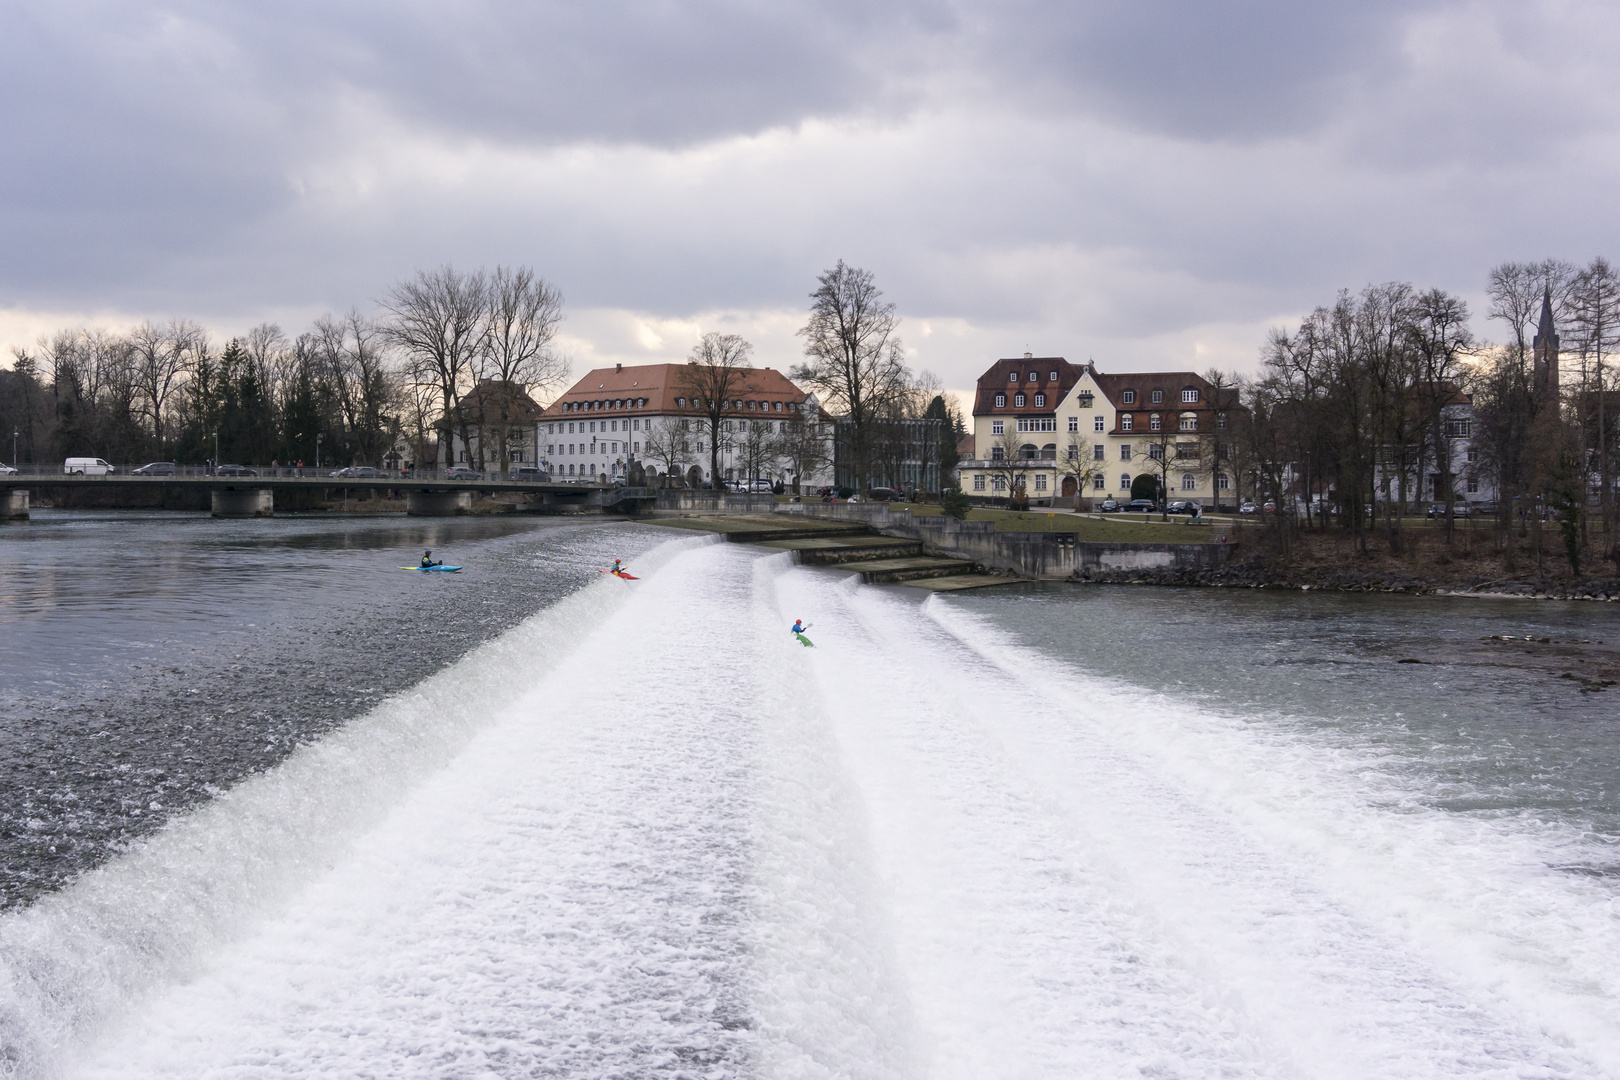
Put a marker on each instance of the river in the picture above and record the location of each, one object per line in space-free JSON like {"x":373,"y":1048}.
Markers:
{"x":537,"y":821}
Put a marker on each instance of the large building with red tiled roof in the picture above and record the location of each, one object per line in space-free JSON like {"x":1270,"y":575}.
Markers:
{"x":605,"y":420}
{"x":1062,"y":432}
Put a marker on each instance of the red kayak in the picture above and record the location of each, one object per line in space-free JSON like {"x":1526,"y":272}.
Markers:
{"x":620,"y":573}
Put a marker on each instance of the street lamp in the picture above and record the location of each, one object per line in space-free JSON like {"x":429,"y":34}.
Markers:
{"x":14,"y":435}
{"x":216,"y":451}
{"x":318,"y":439}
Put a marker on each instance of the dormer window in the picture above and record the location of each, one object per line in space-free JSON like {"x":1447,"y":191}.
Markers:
{"x":1126,"y":421}
{"x":1018,"y":401}
{"x":1001,"y":401}
{"x":1190,"y":395}
{"x":680,"y":403}
{"x":1034,"y":377}
{"x":1013,"y":377}
{"x":1128,"y":397}
{"x":1158,"y":396}
{"x":1085,"y":399}
{"x":1040,"y":400}
{"x":1154,"y":422}
{"x":1052,"y":377}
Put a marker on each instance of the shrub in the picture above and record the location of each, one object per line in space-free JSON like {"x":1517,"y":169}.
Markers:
{"x":954,"y":502}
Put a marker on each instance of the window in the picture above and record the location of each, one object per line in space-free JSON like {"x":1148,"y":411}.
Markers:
{"x":1097,"y":451}
{"x":1037,"y":423}
{"x":1099,"y":482}
{"x":1473,"y":453}
{"x":1220,"y":421}
{"x":1034,"y":377}
{"x":1473,"y":485}
{"x":1158,"y":396}
{"x":1156,"y":451}
{"x":1074,"y":423}
{"x":1127,"y":422}
{"x":1049,"y":452}
{"x":1128,"y":397}
{"x":1154,"y":422}
{"x":1099,"y":423}
{"x":1028,"y":452}
{"x":1012,"y":377}
{"x":978,"y":481}
{"x":998,"y":427}
{"x":753,"y":406}
{"x":1040,"y":481}
{"x":1018,"y":401}
{"x":999,"y":483}
{"x":1001,"y":401}
{"x":635,"y":448}
{"x":1189,"y":422}
{"x":1074,"y":451}
{"x":1124,"y":481}
{"x":1189,"y":482}
{"x":1222,"y":482}
{"x":997,"y":454}
{"x":1187,"y":450}
{"x":776,"y":406}
{"x":1458,"y":429}
{"x":1190,"y":395}
{"x":1052,"y":377}
{"x":1125,"y":452}
{"x":615,"y":424}
{"x":593,"y":425}
{"x":1040,"y":401}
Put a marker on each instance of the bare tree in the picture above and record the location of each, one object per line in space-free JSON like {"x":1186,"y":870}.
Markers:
{"x":438,"y":320}
{"x":756,"y":449}
{"x":1076,"y":461}
{"x":854,"y":356}
{"x":524,"y":311}
{"x":1009,"y":462}
{"x":1595,"y":326}
{"x":161,"y":357}
{"x":806,"y":447}
{"x":1441,"y":340}
{"x":668,"y":442}
{"x":714,"y":371}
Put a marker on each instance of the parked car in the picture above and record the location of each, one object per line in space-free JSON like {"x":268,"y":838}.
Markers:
{"x":7,"y":470}
{"x":86,"y":466}
{"x":1181,"y":506}
{"x":1108,"y":506}
{"x":359,"y":472}
{"x":1271,"y":506}
{"x":156,"y":468}
{"x":234,"y":470}
{"x":760,"y":484}
{"x":1458,"y":509}
{"x":529,"y":473}
{"x":1141,"y":506}
{"x":1248,"y":508}
{"x":462,"y":472}
{"x":884,"y":494}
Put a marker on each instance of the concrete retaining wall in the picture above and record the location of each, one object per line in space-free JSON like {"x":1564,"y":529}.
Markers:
{"x":1052,"y":556}
{"x":688,"y":501}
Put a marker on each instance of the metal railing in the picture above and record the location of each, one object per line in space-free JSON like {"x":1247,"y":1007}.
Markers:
{"x":335,"y":474}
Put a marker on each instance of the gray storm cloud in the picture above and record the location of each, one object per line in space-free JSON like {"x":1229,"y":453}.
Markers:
{"x":1109,"y":172}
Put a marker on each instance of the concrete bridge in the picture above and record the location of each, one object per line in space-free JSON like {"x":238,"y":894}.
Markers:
{"x":427,"y":494}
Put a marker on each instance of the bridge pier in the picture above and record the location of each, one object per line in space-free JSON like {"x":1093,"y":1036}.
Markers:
{"x":244,"y":502}
{"x":438,"y":503}
{"x":14,"y":504}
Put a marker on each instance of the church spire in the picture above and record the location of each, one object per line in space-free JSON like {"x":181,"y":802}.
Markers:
{"x":1546,"y":349}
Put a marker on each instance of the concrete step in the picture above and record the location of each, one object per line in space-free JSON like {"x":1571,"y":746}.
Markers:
{"x":748,"y":534}
{"x":960,"y":582}
{"x":892,"y":571}
{"x":834,"y":552}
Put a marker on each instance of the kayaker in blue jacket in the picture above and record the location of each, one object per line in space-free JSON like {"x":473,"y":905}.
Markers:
{"x":427,"y":560}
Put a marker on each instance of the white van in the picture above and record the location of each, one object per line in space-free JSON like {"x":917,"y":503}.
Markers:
{"x":86,"y":466}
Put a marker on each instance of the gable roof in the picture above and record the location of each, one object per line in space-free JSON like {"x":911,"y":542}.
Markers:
{"x":999,"y":379}
{"x":494,"y":401}
{"x":619,"y":388}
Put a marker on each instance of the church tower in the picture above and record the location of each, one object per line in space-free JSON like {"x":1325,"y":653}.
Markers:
{"x":1546,"y":352}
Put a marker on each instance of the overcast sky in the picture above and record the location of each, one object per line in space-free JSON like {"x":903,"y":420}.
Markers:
{"x":1150,"y":185}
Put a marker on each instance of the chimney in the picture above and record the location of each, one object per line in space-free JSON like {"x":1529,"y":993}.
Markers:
{"x":617,"y":368}
{"x":1029,"y":356}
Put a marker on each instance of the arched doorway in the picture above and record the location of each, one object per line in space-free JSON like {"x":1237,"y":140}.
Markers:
{"x":1071,"y":487}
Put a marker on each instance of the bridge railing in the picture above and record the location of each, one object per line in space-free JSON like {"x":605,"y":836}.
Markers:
{"x":332,"y":473}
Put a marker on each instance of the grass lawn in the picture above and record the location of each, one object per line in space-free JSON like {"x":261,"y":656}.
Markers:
{"x":1123,"y":527}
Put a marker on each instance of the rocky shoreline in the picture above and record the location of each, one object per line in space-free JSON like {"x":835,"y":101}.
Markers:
{"x":1265,"y":575}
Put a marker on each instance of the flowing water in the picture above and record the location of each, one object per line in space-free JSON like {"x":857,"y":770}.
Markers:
{"x":1049,"y":832}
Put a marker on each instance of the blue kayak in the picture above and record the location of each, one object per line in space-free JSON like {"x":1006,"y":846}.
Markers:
{"x":441,"y":568}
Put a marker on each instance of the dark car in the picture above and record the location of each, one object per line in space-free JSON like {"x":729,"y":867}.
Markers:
{"x":360,"y":472}
{"x":883,"y":494}
{"x":461,"y":472}
{"x":234,"y":470}
{"x":1109,"y":506}
{"x":1181,"y":506}
{"x":1141,"y":506}
{"x":157,"y":468}
{"x":1438,"y":510}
